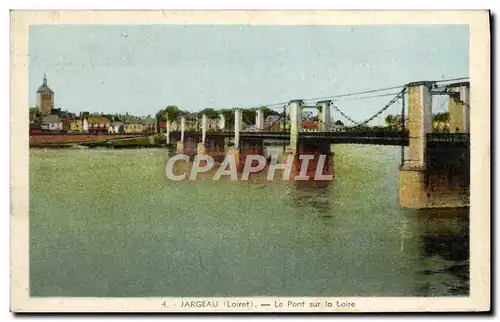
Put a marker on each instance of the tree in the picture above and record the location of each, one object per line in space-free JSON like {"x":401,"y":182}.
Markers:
{"x":442,"y":117}
{"x":210,"y":113}
{"x":172,"y":112}
{"x":389,"y":119}
{"x":307,"y":116}
{"x":159,"y":117}
{"x":339,"y":123}
{"x":228,"y":117}
{"x":248,"y":116}
{"x":267,"y":111}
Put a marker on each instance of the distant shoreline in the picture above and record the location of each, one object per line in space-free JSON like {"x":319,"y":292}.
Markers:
{"x":126,"y":143}
{"x":94,"y":146}
{"x":94,"y":141}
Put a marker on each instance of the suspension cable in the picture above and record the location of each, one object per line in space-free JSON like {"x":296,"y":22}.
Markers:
{"x":354,"y":94}
{"x":450,"y":80}
{"x":366,"y":97}
{"x":397,"y":97}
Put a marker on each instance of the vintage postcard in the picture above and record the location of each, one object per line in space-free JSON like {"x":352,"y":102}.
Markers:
{"x":250,"y":161}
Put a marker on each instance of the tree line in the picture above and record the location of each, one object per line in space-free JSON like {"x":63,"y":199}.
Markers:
{"x":174,"y":113}
{"x":394,"y":120}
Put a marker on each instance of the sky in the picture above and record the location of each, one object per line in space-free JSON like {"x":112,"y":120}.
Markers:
{"x":140,"y":69}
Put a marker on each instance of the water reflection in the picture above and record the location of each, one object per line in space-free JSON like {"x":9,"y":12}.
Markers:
{"x":443,"y":235}
{"x":346,"y":237}
{"x":312,"y":196}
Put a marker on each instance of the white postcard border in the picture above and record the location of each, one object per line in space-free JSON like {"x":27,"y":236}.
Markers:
{"x":478,"y":21}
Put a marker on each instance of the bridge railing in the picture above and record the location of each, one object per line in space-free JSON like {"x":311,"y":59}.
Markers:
{"x":449,"y":137}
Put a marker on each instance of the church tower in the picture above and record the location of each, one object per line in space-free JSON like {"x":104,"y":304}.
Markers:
{"x":44,"y":98}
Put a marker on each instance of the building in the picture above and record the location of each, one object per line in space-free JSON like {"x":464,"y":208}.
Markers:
{"x":76,"y":125}
{"x":51,"y":123}
{"x":132,"y":127}
{"x":149,"y":126}
{"x":98,"y":124}
{"x":44,"y":98}
{"x":116,"y":127}
{"x":35,"y":127}
{"x":85,"y":125}
{"x":65,"y":122}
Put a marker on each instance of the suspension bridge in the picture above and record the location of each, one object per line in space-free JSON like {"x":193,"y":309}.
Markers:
{"x":428,"y":151}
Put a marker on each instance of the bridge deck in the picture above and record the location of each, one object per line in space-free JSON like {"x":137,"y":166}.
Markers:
{"x":366,"y":137}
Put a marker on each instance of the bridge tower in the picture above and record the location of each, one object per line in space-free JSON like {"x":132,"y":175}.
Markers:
{"x":234,"y":151}
{"x":324,"y":115}
{"x":259,"y":120}
{"x":412,"y":183}
{"x":238,"y":122}
{"x":295,"y":125}
{"x":180,"y":143}
{"x":459,"y":107}
{"x":201,"y":147}
{"x":435,"y":174}
{"x":304,"y":157}
{"x":222,"y":121}
{"x":167,"y":130}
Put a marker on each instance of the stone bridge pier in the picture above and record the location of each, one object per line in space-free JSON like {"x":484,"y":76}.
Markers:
{"x":244,"y":148}
{"x":434,"y":175}
{"x":247,"y":149}
{"x":309,"y":159}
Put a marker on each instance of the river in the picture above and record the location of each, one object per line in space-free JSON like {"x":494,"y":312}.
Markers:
{"x":107,"y":223}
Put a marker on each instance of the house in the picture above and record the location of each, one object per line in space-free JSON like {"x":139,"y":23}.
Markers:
{"x":51,"y":123}
{"x":35,"y":128}
{"x":85,"y":126}
{"x":76,"y":125}
{"x":65,"y":121}
{"x":149,"y":126}
{"x":116,"y":127}
{"x":132,"y":127}
{"x":98,"y":124}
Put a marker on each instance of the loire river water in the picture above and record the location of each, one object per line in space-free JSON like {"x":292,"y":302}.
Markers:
{"x":108,"y":223}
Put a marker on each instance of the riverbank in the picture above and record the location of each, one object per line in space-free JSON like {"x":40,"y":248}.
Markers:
{"x":118,"y":142}
{"x":106,"y":141}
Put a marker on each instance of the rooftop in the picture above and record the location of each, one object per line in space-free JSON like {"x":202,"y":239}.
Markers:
{"x":51,"y":119}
